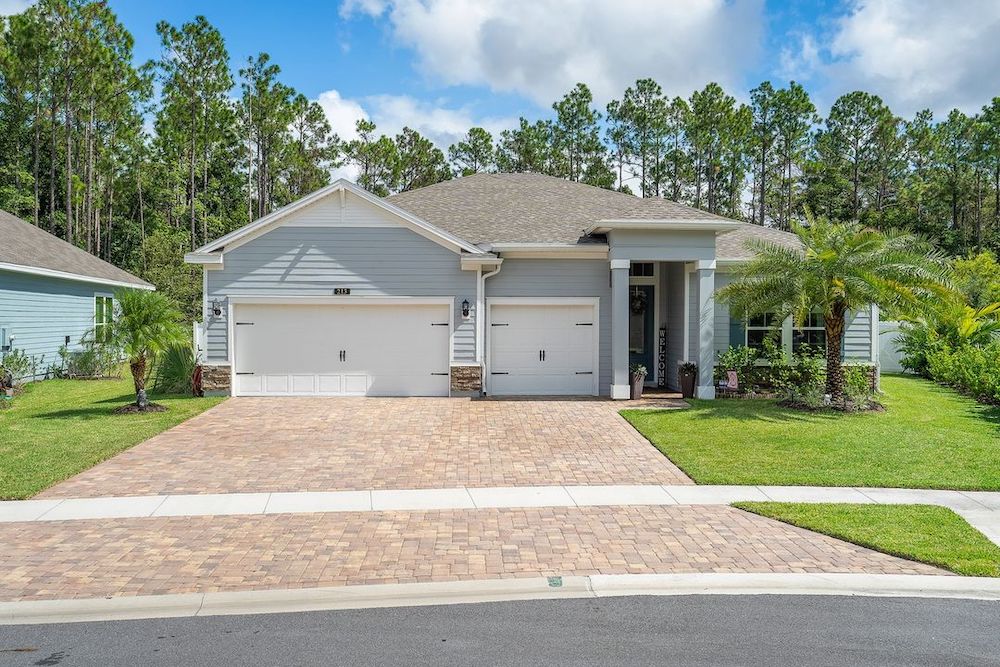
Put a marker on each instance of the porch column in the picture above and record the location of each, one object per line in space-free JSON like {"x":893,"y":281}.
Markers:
{"x":619,"y":329}
{"x":705,"y":275}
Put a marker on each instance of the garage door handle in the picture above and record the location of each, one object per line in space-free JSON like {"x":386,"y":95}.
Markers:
{"x":244,"y":373}
{"x":584,"y":324}
{"x":499,"y":373}
{"x":440,"y":373}
{"x":244,"y":324}
{"x":495,"y":324}
{"x":585,"y":372}
{"x":439,"y":324}
{"x":343,"y":355}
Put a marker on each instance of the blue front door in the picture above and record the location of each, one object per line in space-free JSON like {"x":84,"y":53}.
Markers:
{"x":641,"y":340}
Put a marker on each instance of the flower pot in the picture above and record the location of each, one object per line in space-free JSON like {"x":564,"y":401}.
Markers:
{"x":637,"y":383}
{"x":687,"y":381}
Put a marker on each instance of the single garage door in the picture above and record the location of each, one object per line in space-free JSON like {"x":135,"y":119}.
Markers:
{"x":543,"y":349}
{"x":341,"y":350}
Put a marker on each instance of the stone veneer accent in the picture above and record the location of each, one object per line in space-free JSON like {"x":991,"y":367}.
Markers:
{"x":215,"y":379}
{"x":466,"y":380}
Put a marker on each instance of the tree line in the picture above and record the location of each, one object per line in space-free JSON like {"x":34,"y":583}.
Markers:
{"x":140,"y":162}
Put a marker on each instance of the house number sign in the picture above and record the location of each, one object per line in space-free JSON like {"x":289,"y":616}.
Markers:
{"x":341,"y":291}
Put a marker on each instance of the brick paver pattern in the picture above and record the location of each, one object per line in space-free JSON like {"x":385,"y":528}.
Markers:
{"x":202,"y":554}
{"x":328,"y":444}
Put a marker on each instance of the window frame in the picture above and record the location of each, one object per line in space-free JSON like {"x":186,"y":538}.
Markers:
{"x":104,"y":314}
{"x":768,"y":329}
{"x":810,"y":326}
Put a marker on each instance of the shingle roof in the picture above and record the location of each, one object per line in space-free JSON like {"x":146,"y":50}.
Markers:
{"x":24,"y":244}
{"x":732,"y":245}
{"x":531,"y":208}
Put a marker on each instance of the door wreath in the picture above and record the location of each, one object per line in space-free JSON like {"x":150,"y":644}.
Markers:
{"x":638,"y":302}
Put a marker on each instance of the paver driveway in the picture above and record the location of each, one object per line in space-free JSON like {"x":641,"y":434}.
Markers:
{"x":326,"y":444}
{"x":117,"y":557}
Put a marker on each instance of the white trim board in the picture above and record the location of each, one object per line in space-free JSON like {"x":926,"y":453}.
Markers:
{"x":52,"y":273}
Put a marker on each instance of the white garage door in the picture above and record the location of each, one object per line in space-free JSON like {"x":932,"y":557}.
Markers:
{"x":543,"y":349}
{"x":341,"y":350}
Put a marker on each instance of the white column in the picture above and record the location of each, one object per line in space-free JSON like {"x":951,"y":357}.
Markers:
{"x":619,"y":329}
{"x":705,"y":275}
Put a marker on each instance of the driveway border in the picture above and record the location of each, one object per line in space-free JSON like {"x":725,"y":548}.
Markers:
{"x":495,"y":590}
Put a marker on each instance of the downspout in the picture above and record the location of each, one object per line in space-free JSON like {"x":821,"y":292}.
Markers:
{"x":481,"y":357}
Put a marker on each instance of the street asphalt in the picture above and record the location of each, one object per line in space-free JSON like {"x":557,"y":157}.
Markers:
{"x":690,"y":630}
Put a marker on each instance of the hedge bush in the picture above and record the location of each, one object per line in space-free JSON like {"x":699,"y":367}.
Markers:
{"x":969,"y":369}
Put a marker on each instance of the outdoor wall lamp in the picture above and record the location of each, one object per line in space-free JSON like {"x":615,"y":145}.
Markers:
{"x":216,"y":308}
{"x":465,"y":308}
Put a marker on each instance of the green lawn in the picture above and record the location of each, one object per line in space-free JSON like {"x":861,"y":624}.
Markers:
{"x":928,"y":437}
{"x":59,"y":427}
{"x":924,"y":533}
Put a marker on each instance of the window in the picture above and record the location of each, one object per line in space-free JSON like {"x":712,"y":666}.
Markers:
{"x":811,"y":333}
{"x":641,"y":269}
{"x":764,"y":326}
{"x":104,"y":311}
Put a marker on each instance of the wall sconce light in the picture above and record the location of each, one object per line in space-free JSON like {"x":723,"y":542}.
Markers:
{"x":465,"y":308}
{"x":216,"y":308}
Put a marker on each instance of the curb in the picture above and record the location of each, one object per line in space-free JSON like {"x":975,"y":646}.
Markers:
{"x":494,"y":590}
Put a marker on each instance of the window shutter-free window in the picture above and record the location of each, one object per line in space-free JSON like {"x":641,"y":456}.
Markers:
{"x":104,"y":311}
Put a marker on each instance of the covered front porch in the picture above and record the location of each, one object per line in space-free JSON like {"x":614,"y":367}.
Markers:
{"x":663,"y":314}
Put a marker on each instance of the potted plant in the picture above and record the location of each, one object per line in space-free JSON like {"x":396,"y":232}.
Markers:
{"x":687,"y":374}
{"x":637,"y":376}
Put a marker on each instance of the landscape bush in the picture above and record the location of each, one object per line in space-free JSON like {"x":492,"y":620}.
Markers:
{"x":969,"y":369}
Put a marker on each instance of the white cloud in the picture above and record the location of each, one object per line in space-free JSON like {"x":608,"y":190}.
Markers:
{"x":391,"y":113}
{"x":799,"y":63}
{"x":541,"y":48}
{"x":918,"y":53}
{"x":11,"y":7}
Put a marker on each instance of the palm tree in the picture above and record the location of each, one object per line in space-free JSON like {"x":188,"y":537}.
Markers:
{"x":840,"y":267}
{"x":145,"y":324}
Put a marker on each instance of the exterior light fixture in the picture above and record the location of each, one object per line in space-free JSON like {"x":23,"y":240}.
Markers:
{"x":216,"y":308}
{"x":465,"y":308}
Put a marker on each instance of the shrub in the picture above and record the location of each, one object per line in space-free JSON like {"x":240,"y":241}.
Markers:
{"x":17,"y":367}
{"x":858,"y":393}
{"x":174,"y":370}
{"x":803,"y":382}
{"x":741,"y":359}
{"x":969,"y":369}
{"x":91,"y":360}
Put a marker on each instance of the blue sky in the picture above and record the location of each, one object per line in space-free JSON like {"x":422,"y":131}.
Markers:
{"x":442,"y":65}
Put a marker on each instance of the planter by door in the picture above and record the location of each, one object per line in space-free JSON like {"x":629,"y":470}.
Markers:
{"x":638,"y":380}
{"x":687,"y":380}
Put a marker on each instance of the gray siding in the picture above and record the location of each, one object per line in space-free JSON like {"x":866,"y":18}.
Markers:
{"x":665,"y":246}
{"x":39,"y":312}
{"x":858,"y":336}
{"x":722,"y":315}
{"x":562,"y":278}
{"x":312,"y":260}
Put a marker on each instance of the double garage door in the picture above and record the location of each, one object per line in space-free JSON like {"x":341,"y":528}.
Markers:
{"x":341,"y":350}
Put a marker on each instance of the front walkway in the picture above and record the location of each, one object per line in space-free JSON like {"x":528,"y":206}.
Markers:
{"x":328,"y":444}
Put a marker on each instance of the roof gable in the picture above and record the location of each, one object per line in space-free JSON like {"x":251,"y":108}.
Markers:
{"x":29,"y":249}
{"x":328,"y":207}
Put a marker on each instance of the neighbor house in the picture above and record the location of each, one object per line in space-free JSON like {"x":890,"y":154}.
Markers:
{"x":51,"y":292}
{"x":500,"y":284}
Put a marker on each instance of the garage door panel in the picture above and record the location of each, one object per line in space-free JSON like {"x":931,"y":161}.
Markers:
{"x":387,"y":350}
{"x":566,"y":334}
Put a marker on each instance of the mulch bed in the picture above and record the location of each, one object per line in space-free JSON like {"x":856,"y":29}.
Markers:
{"x":132,"y":408}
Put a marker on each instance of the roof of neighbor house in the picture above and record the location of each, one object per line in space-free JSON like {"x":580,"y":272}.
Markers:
{"x":534,"y":208}
{"x":30,"y":247}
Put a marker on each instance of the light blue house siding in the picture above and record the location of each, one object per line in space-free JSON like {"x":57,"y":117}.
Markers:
{"x":314,"y":260}
{"x":39,"y":313}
